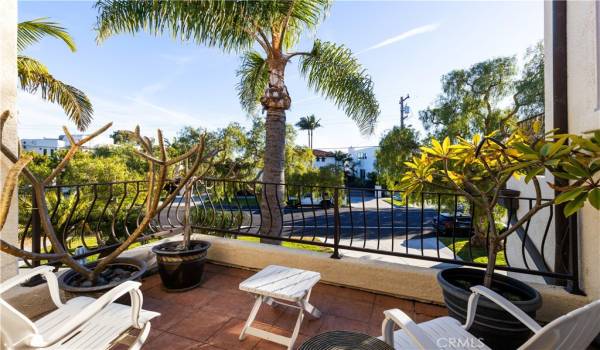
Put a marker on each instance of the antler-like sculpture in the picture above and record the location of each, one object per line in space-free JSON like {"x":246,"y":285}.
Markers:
{"x":157,"y":177}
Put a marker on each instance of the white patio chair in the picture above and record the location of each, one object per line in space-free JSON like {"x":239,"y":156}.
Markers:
{"x":575,"y":330}
{"x":80,"y":323}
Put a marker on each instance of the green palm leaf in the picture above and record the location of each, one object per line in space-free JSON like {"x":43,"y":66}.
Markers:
{"x":34,"y":76}
{"x":332,"y":71}
{"x":31,"y":32}
{"x":254,"y":77}
{"x":225,"y":24}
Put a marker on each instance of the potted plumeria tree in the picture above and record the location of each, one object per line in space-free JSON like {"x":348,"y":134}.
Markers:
{"x":479,"y":170}
{"x":99,"y":276}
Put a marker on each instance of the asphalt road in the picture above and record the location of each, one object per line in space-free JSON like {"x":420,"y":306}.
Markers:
{"x":370,"y":223}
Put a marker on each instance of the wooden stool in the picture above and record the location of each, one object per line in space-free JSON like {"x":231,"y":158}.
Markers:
{"x":275,"y":283}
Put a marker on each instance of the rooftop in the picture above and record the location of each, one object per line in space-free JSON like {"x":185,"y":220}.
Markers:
{"x":212,"y":315}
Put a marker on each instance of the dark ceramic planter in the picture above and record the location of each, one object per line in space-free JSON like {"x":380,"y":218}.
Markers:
{"x":65,"y":281}
{"x":496,"y":327}
{"x":181,"y":270}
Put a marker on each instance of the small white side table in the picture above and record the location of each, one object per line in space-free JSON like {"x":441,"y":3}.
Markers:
{"x":273,"y":284}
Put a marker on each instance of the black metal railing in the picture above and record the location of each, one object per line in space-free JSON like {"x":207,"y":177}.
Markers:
{"x":433,"y":227}
{"x":91,"y":219}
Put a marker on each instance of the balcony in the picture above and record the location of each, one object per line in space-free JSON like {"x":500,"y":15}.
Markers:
{"x":211,"y":316}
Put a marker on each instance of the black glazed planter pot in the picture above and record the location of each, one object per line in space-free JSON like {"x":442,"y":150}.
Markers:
{"x":494,"y":326}
{"x":133,"y":269}
{"x":181,"y":270}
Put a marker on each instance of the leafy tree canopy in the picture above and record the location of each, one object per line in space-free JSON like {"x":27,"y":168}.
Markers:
{"x":396,"y":147}
{"x":490,"y":95}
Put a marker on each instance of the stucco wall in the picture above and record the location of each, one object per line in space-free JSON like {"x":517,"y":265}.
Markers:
{"x":584,"y":115}
{"x":8,"y":91}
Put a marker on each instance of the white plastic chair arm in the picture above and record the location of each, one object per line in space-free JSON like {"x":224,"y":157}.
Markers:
{"x":45,"y":271}
{"x":92,"y":309}
{"x":500,"y":301}
{"x":416,"y":334}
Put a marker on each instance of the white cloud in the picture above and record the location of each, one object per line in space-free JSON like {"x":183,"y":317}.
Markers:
{"x":415,"y":31}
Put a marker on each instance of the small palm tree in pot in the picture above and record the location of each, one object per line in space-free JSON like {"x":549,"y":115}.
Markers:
{"x":479,"y":170}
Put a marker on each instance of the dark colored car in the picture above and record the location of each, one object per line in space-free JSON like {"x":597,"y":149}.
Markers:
{"x":446,"y":225}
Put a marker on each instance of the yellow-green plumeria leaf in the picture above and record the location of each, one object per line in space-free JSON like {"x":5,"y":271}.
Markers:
{"x":568,"y":195}
{"x":594,"y":198}
{"x":573,"y":206}
{"x":532,"y":173}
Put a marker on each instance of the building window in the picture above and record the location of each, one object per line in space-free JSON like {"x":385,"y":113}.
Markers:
{"x":45,"y":152}
{"x":363,"y":174}
{"x":361,"y":155}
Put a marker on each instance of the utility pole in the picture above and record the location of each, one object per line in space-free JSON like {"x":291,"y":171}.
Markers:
{"x":402,"y":117}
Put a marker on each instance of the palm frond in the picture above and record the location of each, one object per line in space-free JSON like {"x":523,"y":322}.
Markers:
{"x":34,"y":77}
{"x":302,"y":15}
{"x":31,"y":32}
{"x":332,"y":71}
{"x":254,"y":77}
{"x":228,"y":25}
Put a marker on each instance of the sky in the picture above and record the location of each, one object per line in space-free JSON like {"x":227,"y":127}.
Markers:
{"x":157,"y":82}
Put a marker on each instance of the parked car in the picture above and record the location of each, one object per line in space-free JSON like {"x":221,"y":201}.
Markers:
{"x":308,"y":200}
{"x":446,"y":225}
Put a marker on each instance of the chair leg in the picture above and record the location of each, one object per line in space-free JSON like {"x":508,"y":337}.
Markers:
{"x":252,"y":316}
{"x":308,"y":307}
{"x":296,"y":328}
{"x":141,"y":338}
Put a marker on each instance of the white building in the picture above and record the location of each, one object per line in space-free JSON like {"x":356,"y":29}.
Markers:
{"x":364,"y":160}
{"x":45,"y":146}
{"x":323,"y":158}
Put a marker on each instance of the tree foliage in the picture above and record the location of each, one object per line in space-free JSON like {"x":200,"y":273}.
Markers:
{"x":397,"y":146}
{"x":480,"y":168}
{"x":34,"y":75}
{"x":474,"y":100}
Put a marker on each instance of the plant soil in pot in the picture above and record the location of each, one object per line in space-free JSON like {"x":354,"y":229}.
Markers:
{"x":117,"y":272}
{"x":496,"y":327}
{"x":181,"y":269}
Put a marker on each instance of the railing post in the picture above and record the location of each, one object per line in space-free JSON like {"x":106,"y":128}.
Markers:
{"x":336,"y":225}
{"x":573,"y":256}
{"x":36,"y":238}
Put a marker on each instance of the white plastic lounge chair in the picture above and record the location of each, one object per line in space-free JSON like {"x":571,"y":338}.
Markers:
{"x":80,"y":323}
{"x":575,"y":330}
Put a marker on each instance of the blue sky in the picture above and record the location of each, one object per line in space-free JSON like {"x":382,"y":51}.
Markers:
{"x":156,"y":82}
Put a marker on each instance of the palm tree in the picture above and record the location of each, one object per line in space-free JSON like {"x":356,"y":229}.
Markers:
{"x":309,"y":124}
{"x":34,"y":76}
{"x":273,"y":27}
{"x":342,"y":158}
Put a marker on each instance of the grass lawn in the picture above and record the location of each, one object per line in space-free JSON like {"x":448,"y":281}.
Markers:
{"x":461,"y":248}
{"x":294,"y":245}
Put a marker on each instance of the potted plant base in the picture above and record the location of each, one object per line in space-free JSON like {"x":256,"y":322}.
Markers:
{"x":181,"y":269}
{"x":117,"y":272}
{"x":496,"y":327}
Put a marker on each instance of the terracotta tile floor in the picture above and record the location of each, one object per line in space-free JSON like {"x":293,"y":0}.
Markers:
{"x":212,"y":315}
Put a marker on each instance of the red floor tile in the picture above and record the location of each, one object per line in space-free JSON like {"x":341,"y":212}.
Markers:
{"x":228,"y":336}
{"x":169,"y":341}
{"x":200,"y":325}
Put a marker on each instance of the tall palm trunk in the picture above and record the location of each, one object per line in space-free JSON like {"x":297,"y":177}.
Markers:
{"x":275,"y":101}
